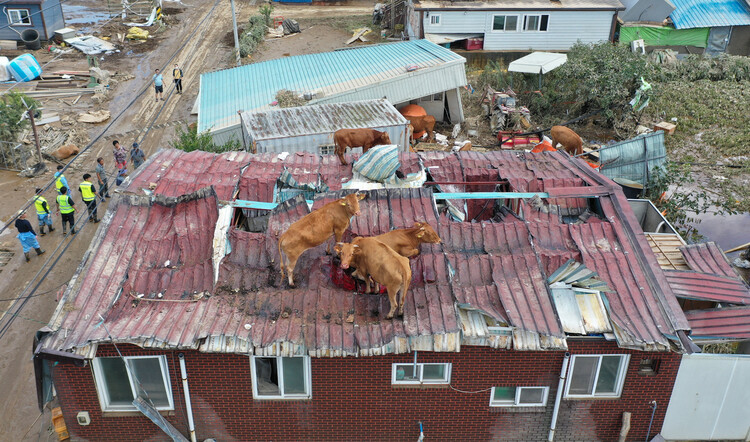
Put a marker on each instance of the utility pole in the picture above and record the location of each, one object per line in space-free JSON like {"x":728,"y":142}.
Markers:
{"x":30,"y":113}
{"x":236,"y":38}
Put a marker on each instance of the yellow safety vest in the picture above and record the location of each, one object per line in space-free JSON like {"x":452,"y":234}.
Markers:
{"x":64,"y":203}
{"x":39,"y":203}
{"x":58,"y":182}
{"x":85,"y":188}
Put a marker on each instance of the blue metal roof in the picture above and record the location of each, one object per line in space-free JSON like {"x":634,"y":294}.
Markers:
{"x":254,"y":86}
{"x":709,"y":13}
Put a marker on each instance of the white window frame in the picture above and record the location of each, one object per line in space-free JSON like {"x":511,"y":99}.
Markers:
{"x":18,"y":21}
{"x":103,"y":394}
{"x":421,"y":380}
{"x":539,"y":22}
{"x":280,"y":377}
{"x":620,"y":381}
{"x":505,"y":20}
{"x":435,"y":23}
{"x":517,"y":401}
{"x":326,"y":149}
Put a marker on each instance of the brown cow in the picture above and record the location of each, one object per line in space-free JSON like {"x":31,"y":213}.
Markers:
{"x":406,"y":242}
{"x":375,"y":260}
{"x":314,"y":229}
{"x":423,"y":123}
{"x":569,"y":140}
{"x":66,"y":151}
{"x":364,"y":138}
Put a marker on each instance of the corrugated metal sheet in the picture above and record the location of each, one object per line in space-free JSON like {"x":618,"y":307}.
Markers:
{"x":308,"y":127}
{"x":523,"y":4}
{"x":707,"y":258}
{"x":708,"y":287}
{"x":635,"y":159}
{"x":720,"y":323}
{"x":339,"y":76}
{"x":709,"y":13}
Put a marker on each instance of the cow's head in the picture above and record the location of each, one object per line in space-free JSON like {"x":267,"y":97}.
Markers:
{"x":383,"y":138}
{"x":346,"y":251}
{"x":351,"y":202}
{"x":426,"y":233}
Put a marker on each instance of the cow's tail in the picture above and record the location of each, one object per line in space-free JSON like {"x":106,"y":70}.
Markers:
{"x":405,"y":282}
{"x":281,"y":257}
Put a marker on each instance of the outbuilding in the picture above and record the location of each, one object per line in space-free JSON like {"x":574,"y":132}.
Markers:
{"x":311,"y":128}
{"x":42,"y":16}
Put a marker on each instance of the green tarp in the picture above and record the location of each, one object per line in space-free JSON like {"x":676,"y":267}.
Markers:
{"x":665,"y":36}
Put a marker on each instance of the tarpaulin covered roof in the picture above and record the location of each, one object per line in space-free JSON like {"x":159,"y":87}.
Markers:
{"x":709,"y":13}
{"x":149,"y":278}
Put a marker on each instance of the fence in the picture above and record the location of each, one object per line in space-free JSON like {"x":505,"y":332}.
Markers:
{"x":13,"y":156}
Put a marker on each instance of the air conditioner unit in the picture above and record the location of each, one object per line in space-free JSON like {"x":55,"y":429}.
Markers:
{"x":638,"y":46}
{"x":83,"y":418}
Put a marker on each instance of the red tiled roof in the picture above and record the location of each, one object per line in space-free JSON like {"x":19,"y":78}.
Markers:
{"x":708,"y":287}
{"x":720,"y":323}
{"x":707,"y":258}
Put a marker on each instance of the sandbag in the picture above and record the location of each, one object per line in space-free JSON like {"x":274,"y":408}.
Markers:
{"x":137,"y":34}
{"x":24,"y":68}
{"x":290,"y":26}
{"x":378,"y":163}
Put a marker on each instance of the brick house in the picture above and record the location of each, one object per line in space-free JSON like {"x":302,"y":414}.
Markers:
{"x":182,"y":281}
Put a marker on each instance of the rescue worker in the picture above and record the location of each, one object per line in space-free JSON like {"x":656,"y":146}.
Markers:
{"x":67,"y":211}
{"x":89,"y":195}
{"x":60,"y":180}
{"x":43,"y":213}
{"x":27,"y":236}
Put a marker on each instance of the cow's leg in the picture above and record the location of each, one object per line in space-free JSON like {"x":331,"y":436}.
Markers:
{"x":412,"y":253}
{"x":392,"y":292}
{"x":291,"y":263}
{"x":340,"y":150}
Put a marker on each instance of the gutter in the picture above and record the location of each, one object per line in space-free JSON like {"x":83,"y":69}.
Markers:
{"x":188,"y":405}
{"x":558,"y":397}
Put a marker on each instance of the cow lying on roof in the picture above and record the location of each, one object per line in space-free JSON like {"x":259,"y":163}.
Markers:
{"x":375,"y":260}
{"x":315,"y":228}
{"x":364,"y":138}
{"x":406,"y":242}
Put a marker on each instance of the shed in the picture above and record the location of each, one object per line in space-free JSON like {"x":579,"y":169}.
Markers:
{"x":635,"y":159}
{"x":43,"y":16}
{"x":311,"y":128}
{"x":404,"y":72}
{"x":727,"y":20}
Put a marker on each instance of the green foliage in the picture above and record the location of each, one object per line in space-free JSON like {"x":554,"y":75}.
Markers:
{"x":698,"y":67}
{"x":253,"y":35}
{"x":12,"y":109}
{"x":188,"y":139}
{"x":266,"y":11}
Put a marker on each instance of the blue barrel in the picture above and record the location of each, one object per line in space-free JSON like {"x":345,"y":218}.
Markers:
{"x":24,"y":68}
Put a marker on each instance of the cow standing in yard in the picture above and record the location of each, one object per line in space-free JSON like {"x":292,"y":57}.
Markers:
{"x":406,"y":242}
{"x":569,"y":140}
{"x":423,"y":123}
{"x":375,"y":260}
{"x":314,"y":229}
{"x":364,"y":138}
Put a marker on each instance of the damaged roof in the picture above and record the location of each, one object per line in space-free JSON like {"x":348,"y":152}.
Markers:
{"x":169,"y":269}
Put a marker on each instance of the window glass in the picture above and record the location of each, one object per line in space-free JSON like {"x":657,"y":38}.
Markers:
{"x":294,"y":375}
{"x":116,"y":381}
{"x":147,"y":371}
{"x":545,"y":21}
{"x":584,"y":372}
{"x":267,"y":377}
{"x":511,"y":22}
{"x":433,"y":372}
{"x":405,"y":372}
{"x":532,"y":23}
{"x":434,"y":19}
{"x":531,"y":396}
{"x":504,"y":394}
{"x":437,"y":97}
{"x":607,"y":382}
{"x":498,"y":23}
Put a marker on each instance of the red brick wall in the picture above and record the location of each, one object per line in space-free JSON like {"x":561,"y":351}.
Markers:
{"x":353,"y":399}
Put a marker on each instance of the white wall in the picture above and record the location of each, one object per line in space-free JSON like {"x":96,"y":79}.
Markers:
{"x":565,"y":28}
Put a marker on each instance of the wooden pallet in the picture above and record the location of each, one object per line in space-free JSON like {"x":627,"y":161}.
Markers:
{"x":666,"y":246}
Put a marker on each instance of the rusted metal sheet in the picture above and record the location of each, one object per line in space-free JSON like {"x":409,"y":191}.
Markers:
{"x":707,"y":258}
{"x":720,"y":323}
{"x":708,"y":287}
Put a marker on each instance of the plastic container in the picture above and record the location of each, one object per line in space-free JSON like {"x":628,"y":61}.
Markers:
{"x":24,"y":68}
{"x":4,"y":74}
{"x":474,"y":44}
{"x":30,"y":38}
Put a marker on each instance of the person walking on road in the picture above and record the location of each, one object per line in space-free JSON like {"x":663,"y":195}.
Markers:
{"x":67,"y":210}
{"x":89,"y":195}
{"x":177,"y":75}
{"x":43,"y":212}
{"x":159,"y":85}
{"x":137,"y":156}
{"x":27,"y":236}
{"x":101,"y":178}
{"x":121,"y":156}
{"x":60,"y":180}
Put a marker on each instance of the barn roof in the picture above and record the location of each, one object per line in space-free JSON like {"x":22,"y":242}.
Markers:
{"x":169,"y":269}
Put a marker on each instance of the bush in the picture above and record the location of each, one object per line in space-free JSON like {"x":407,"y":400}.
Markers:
{"x":12,"y":109}
{"x":253,"y":35}
{"x":188,"y":140}
{"x":266,"y":11}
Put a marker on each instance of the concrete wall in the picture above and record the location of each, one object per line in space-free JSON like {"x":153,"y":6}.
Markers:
{"x":565,"y":28}
{"x":353,"y":399}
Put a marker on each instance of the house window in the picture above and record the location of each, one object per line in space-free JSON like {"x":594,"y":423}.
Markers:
{"x":425,"y":374}
{"x":435,"y":19}
{"x":535,"y":22}
{"x":435,"y":97}
{"x":145,"y":376}
{"x":327,"y":149}
{"x":507,"y":23}
{"x":597,"y":375}
{"x":519,"y":396}
{"x":19,"y":17}
{"x":281,"y":378}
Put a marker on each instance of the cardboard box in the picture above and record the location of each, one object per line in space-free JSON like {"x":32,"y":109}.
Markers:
{"x":666,"y":127}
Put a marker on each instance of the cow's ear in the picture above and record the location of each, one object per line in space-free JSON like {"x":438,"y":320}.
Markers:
{"x":342,"y":201}
{"x":338,"y":247}
{"x":356,"y":250}
{"x":420,"y":234}
{"x":361,"y":196}
{"x":417,"y":224}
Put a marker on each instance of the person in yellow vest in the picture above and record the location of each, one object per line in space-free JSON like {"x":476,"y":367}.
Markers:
{"x":177,"y":74}
{"x":89,"y":195}
{"x":60,"y":180}
{"x":67,"y":211}
{"x":43,"y":212}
